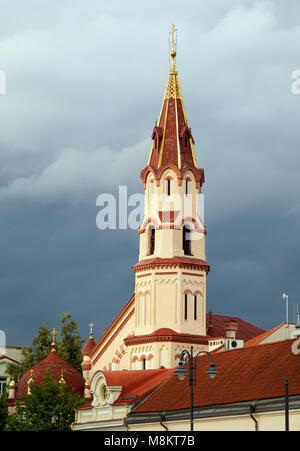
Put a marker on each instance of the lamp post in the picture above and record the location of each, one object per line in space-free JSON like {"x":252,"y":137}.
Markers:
{"x":181,"y":373}
{"x":286,"y":299}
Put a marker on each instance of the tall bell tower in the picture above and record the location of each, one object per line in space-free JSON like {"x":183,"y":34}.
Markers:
{"x":170,"y":276}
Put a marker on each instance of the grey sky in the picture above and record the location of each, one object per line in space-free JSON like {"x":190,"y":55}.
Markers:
{"x":85,"y":82}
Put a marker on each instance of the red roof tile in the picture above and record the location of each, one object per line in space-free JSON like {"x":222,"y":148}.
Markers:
{"x":245,"y":331}
{"x":245,"y":374}
{"x":136,"y":384}
{"x":256,"y":340}
{"x":89,"y":346}
{"x":54,"y":364}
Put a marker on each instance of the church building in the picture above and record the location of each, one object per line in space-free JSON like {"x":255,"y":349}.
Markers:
{"x":167,"y":314}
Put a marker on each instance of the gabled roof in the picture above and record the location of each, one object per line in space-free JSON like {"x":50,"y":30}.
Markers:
{"x":256,"y":340}
{"x":245,"y":331}
{"x":245,"y":374}
{"x":123,"y":316}
{"x":4,"y":357}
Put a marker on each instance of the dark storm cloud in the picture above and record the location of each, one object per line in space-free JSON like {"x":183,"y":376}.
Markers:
{"x":85,"y":83}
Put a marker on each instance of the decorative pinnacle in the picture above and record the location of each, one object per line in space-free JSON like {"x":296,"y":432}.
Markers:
{"x":91,"y":329}
{"x":31,"y":378}
{"x":53,"y":344}
{"x":173,"y":44}
{"x":61,"y":380}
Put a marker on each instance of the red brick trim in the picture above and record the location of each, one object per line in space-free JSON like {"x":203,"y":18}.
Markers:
{"x":180,"y":338}
{"x":192,"y":274}
{"x":165,"y":273}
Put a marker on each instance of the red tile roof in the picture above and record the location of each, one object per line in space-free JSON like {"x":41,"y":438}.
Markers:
{"x":245,"y":331}
{"x":54,"y":364}
{"x":245,"y":374}
{"x":136,"y":384}
{"x":89,"y":346}
{"x":256,"y":340}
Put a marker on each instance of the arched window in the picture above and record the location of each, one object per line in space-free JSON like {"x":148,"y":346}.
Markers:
{"x":186,"y":241}
{"x":168,"y":182}
{"x":195,"y":307}
{"x":188,"y":184}
{"x":151,"y":240}
{"x":185,"y":306}
{"x":141,"y":310}
{"x":144,"y":363}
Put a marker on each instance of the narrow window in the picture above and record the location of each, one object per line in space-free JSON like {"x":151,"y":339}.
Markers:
{"x":186,"y":241}
{"x":152,"y":241}
{"x":169,"y":187}
{"x":185,"y":141}
{"x":187,"y":187}
{"x":144,"y":364}
{"x":195,"y":307}
{"x":155,"y":143}
{"x":185,"y":306}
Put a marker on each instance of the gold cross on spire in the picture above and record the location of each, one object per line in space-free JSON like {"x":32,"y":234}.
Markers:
{"x":173,"y":44}
{"x":91,"y":329}
{"x":53,"y":339}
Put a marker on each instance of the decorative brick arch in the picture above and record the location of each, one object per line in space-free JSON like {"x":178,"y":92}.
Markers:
{"x":146,"y":222}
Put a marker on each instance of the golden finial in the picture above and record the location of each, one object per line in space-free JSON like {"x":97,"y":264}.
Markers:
{"x":173,"y":44}
{"x":61,"y":380}
{"x":53,"y":344}
{"x":31,"y":378}
{"x":87,"y":383}
{"x":12,"y":383}
{"x":91,"y":329}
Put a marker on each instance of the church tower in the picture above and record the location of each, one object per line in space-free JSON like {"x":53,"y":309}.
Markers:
{"x":170,"y":276}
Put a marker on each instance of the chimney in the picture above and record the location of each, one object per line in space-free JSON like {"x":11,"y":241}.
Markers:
{"x":230,"y":327}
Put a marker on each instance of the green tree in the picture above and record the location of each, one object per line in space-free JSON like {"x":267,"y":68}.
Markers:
{"x":70,"y":343}
{"x":3,"y":410}
{"x":41,"y":346}
{"x":68,"y":347}
{"x":48,"y":407}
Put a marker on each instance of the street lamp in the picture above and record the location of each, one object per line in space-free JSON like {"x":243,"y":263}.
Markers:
{"x":181,"y":373}
{"x":286,"y":299}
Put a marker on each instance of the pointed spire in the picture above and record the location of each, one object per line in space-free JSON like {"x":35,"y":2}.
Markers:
{"x":173,"y":44}
{"x":53,"y":344}
{"x":173,"y":143}
{"x":91,"y":329}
